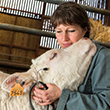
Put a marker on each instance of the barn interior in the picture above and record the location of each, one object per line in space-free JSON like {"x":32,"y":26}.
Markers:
{"x":26,"y":31}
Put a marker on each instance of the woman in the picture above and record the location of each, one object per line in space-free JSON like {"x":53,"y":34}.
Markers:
{"x":71,"y":24}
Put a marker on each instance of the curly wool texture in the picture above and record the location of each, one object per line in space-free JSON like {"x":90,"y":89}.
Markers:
{"x":16,"y":102}
{"x":67,"y":70}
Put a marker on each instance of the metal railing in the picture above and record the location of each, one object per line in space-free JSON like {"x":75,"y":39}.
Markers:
{"x":88,"y":8}
{"x":14,"y":65}
{"x":35,"y":32}
{"x":26,"y":30}
{"x":32,"y":31}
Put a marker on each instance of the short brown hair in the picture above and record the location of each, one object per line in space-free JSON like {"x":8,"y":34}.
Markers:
{"x":71,"y":13}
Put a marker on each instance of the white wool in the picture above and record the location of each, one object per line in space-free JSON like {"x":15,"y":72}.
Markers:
{"x":67,"y":70}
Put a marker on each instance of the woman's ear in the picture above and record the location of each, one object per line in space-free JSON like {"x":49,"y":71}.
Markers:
{"x":85,"y":30}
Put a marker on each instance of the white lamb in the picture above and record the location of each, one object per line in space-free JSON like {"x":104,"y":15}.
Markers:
{"x":66,"y":68}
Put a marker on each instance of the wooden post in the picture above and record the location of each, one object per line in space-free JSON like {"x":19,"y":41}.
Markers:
{"x":108,"y":17}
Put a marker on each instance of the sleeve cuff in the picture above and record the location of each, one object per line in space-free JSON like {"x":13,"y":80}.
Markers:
{"x":63,"y":99}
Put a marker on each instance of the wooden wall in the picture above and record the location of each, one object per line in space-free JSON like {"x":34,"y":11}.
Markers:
{"x":108,"y":17}
{"x":22,"y":47}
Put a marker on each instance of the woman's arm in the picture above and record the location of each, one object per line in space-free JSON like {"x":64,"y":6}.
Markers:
{"x":99,"y":98}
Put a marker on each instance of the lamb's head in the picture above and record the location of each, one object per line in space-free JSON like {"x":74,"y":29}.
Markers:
{"x":65,"y":67}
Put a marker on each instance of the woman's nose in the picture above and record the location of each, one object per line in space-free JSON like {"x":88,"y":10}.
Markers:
{"x":65,"y":36}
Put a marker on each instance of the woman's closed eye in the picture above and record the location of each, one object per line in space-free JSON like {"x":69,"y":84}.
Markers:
{"x":58,"y":31}
{"x":71,"y":30}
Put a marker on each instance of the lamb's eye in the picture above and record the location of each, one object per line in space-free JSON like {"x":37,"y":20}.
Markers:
{"x":53,"y":56}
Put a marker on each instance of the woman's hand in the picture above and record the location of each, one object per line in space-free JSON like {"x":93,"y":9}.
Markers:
{"x":46,"y":97}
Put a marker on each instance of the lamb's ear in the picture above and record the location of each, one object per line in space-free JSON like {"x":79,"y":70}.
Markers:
{"x":92,"y":49}
{"x":9,"y":82}
{"x":87,"y":46}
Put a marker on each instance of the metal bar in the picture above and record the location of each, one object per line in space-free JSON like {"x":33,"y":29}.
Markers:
{"x":52,"y":1}
{"x":88,"y":8}
{"x":19,"y":10}
{"x":14,"y":65}
{"x":14,"y":56}
{"x":20,"y":47}
{"x":27,"y":30}
{"x":32,"y":31}
{"x":103,"y":44}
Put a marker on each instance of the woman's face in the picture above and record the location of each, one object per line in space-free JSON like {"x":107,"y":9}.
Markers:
{"x":69,"y":34}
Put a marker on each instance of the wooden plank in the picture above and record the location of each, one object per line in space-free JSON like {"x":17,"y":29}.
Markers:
{"x":108,"y":17}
